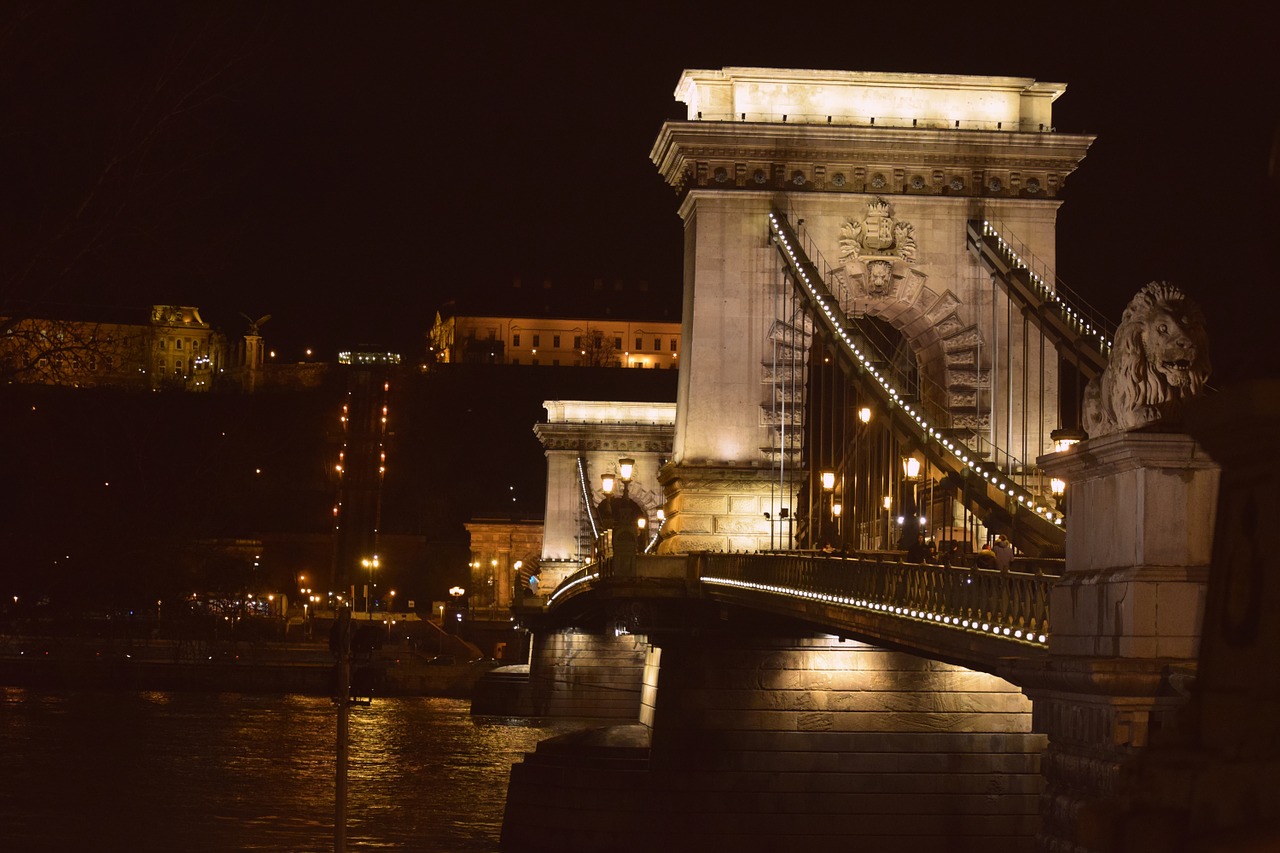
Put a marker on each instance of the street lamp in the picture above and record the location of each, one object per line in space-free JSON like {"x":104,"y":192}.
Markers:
{"x":370,"y":563}
{"x":493,"y":588}
{"x":392,"y":593}
{"x":888,"y":520}
{"x":456,"y":592}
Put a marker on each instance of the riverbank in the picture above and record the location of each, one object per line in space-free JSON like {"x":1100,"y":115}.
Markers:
{"x":227,"y":666}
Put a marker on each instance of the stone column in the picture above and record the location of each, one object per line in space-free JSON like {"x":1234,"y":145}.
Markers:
{"x":1125,"y":627}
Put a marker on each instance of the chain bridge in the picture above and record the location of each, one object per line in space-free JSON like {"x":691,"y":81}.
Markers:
{"x":880,"y":374}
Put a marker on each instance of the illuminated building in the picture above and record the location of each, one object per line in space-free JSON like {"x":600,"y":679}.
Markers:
{"x":591,"y":324}
{"x":171,"y":349}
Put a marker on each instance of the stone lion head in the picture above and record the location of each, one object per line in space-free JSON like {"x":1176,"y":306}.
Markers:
{"x":1160,"y":357}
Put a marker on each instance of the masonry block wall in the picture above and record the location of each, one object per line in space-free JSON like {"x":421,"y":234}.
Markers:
{"x":576,"y":674}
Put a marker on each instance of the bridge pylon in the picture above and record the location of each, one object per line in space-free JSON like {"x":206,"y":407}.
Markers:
{"x":880,"y":175}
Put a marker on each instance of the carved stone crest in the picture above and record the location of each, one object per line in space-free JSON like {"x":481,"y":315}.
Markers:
{"x":877,"y":249}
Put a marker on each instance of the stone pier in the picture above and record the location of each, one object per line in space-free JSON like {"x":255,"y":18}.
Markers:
{"x":1126,"y":623}
{"x":790,"y":744}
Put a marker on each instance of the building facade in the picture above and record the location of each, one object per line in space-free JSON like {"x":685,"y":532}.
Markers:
{"x":170,"y":347}
{"x":554,"y":341}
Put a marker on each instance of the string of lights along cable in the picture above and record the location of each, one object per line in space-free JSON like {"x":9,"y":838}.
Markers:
{"x":924,"y":430}
{"x":360,"y":470}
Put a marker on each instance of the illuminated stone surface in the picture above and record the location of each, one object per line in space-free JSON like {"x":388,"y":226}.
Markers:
{"x":886,"y":205}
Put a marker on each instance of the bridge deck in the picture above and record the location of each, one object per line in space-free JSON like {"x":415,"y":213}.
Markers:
{"x":975,"y":617}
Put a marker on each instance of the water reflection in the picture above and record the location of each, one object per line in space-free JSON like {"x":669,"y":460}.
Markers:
{"x":174,"y":771}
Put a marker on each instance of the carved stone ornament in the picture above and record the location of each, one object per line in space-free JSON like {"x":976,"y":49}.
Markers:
{"x":1160,"y":359}
{"x":877,"y":249}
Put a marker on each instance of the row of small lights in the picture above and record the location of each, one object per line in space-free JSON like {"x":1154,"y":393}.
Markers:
{"x":657,"y":533}
{"x":951,"y":621}
{"x":340,"y":467}
{"x":563,"y":588}
{"x":956,"y":450}
{"x":989,"y":230}
{"x":586,"y":499}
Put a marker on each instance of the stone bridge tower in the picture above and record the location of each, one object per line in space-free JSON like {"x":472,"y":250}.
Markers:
{"x":883,"y":171}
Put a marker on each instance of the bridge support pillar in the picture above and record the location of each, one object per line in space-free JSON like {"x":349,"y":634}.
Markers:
{"x":769,"y":744}
{"x":725,"y":508}
{"x":1125,"y":635}
{"x":580,"y":674}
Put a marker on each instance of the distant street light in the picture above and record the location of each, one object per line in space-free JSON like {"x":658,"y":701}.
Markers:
{"x":370,"y":563}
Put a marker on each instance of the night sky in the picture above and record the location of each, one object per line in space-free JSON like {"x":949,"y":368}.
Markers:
{"x":346,"y":167}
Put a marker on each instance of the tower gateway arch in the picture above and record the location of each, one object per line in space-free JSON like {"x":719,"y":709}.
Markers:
{"x":881,"y":174}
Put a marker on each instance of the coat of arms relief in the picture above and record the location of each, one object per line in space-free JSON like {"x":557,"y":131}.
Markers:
{"x":877,"y":250}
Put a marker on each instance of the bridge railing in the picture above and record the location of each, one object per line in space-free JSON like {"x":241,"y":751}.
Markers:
{"x":926,"y":122}
{"x":1012,"y":605}
{"x":1088,"y":321}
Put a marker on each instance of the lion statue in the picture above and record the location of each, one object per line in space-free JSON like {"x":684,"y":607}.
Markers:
{"x":1160,"y":358}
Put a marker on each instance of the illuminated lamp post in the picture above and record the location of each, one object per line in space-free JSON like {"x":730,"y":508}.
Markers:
{"x":456,"y":593}
{"x":910,"y":541}
{"x":493,"y":588}
{"x":370,"y":563}
{"x":1058,"y":487}
{"x":621,"y":515}
{"x":862,"y":509}
{"x":888,"y":520}
{"x":828,"y":479}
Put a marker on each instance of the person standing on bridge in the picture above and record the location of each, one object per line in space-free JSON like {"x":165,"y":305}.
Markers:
{"x":1004,"y":553}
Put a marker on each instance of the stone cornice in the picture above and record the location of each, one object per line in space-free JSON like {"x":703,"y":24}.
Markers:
{"x":656,"y":438}
{"x":846,"y":159}
{"x":1126,"y":451}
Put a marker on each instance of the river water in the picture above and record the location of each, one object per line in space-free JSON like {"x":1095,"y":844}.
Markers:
{"x":106,"y":771}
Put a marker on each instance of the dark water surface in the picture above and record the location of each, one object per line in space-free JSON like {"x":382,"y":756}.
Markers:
{"x":103,"y":771}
